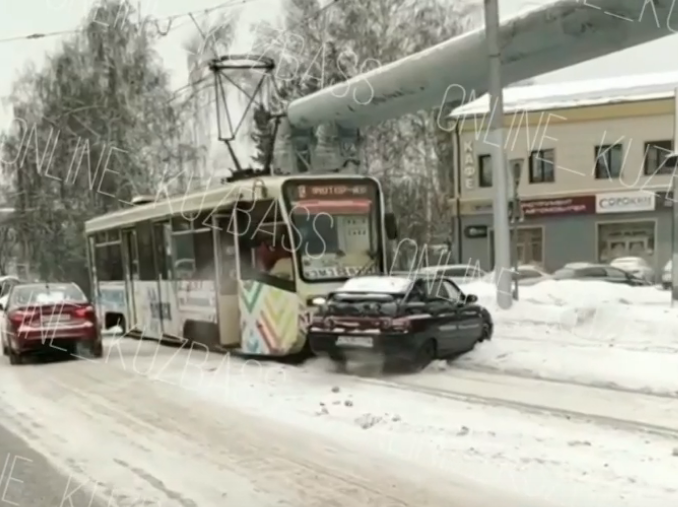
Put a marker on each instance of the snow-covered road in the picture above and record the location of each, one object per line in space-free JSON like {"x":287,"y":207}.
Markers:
{"x":179,"y":428}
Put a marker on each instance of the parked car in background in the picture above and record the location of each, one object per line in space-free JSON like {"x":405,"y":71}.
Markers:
{"x":526,"y":274}
{"x":602,"y":273}
{"x":459,"y":273}
{"x":529,"y":274}
{"x":577,"y":265}
{"x":667,"y":275}
{"x":636,"y":266}
{"x":6,"y":284}
{"x":48,"y":317}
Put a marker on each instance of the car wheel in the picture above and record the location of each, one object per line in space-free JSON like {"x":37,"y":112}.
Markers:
{"x":425,"y":355}
{"x":339,"y":362}
{"x":487,"y":332}
{"x":97,"y":350}
{"x":14,"y":357}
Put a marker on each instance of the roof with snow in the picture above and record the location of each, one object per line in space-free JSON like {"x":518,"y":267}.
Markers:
{"x":593,"y":92}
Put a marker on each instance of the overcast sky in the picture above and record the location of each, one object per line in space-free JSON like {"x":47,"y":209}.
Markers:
{"x":23,"y":17}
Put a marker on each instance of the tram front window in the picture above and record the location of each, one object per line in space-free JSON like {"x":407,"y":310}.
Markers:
{"x":336,"y":236}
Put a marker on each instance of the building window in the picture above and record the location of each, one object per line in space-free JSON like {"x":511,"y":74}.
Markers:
{"x":542,"y":166}
{"x":485,"y":171}
{"x":629,"y":239}
{"x":609,"y":161}
{"x":530,"y":246}
{"x":655,"y":157}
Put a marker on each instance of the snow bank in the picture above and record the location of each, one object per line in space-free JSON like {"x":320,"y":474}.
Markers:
{"x":585,"y":308}
{"x":588,"y":332}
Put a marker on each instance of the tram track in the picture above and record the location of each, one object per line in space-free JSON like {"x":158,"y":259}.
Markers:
{"x":618,"y":408}
{"x":603,"y":405}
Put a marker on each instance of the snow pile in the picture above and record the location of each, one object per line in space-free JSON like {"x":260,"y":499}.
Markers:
{"x":585,"y":308}
{"x":594,"y":333}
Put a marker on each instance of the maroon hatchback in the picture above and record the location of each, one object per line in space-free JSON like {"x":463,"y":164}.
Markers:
{"x":49,"y":317}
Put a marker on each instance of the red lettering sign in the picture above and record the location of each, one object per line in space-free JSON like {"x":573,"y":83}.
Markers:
{"x":577,"y":205}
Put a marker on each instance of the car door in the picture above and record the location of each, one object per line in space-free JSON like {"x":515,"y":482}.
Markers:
{"x":468,"y":317}
{"x":444,"y":325}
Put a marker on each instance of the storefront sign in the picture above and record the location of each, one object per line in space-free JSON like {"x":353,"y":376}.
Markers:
{"x":561,"y":206}
{"x":625,"y":202}
{"x":469,"y":166}
{"x":663,"y":200}
{"x":577,"y":205}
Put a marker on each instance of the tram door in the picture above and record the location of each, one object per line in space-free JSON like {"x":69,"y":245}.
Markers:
{"x":227,"y":273}
{"x":131,"y":259}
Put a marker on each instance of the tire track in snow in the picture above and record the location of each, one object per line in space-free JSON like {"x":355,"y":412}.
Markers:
{"x":649,"y":413}
{"x":213,"y":445}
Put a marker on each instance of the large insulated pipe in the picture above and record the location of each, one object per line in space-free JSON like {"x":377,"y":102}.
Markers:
{"x":559,"y":34}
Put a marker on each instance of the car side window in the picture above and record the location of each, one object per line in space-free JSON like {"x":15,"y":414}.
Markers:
{"x":6,"y":287}
{"x":453,"y":293}
{"x":593,"y":273}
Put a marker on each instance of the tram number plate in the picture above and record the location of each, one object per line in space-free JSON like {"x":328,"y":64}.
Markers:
{"x":355,"y":341}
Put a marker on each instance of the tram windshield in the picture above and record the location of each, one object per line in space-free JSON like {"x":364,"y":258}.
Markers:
{"x":336,"y":228}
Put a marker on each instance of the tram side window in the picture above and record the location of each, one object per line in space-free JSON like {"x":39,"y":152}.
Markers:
{"x":160,"y":251}
{"x":147,"y":271}
{"x":203,"y":244}
{"x":108,"y":261}
{"x":184,"y":256}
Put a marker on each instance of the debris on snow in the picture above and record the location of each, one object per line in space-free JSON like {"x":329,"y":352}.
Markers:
{"x":366,"y":421}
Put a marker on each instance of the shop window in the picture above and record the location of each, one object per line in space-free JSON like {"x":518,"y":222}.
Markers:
{"x":656,"y":153}
{"x":609,"y":161}
{"x":530,"y":246}
{"x":630,"y":239}
{"x":485,"y":171}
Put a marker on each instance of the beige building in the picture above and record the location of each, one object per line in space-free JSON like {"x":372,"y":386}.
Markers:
{"x":592,"y":184}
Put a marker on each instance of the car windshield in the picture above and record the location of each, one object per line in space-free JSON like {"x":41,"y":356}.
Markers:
{"x":377,"y":285}
{"x":45,"y":294}
{"x":627,"y":262}
{"x":336,"y":226}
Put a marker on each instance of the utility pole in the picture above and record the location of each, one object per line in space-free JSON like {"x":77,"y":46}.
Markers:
{"x":672,"y":161}
{"x":495,"y":138}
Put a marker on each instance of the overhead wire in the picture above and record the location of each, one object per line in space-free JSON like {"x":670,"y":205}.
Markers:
{"x":155,"y":21}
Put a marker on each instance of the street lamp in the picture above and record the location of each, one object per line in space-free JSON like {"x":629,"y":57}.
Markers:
{"x":516,"y":217}
{"x":495,"y":138}
{"x":671,"y":162}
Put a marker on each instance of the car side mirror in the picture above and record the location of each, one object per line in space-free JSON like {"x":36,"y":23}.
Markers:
{"x":390,"y":225}
{"x":471,"y":298}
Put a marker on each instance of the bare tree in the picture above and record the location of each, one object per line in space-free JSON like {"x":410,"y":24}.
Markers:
{"x":94,"y":126}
